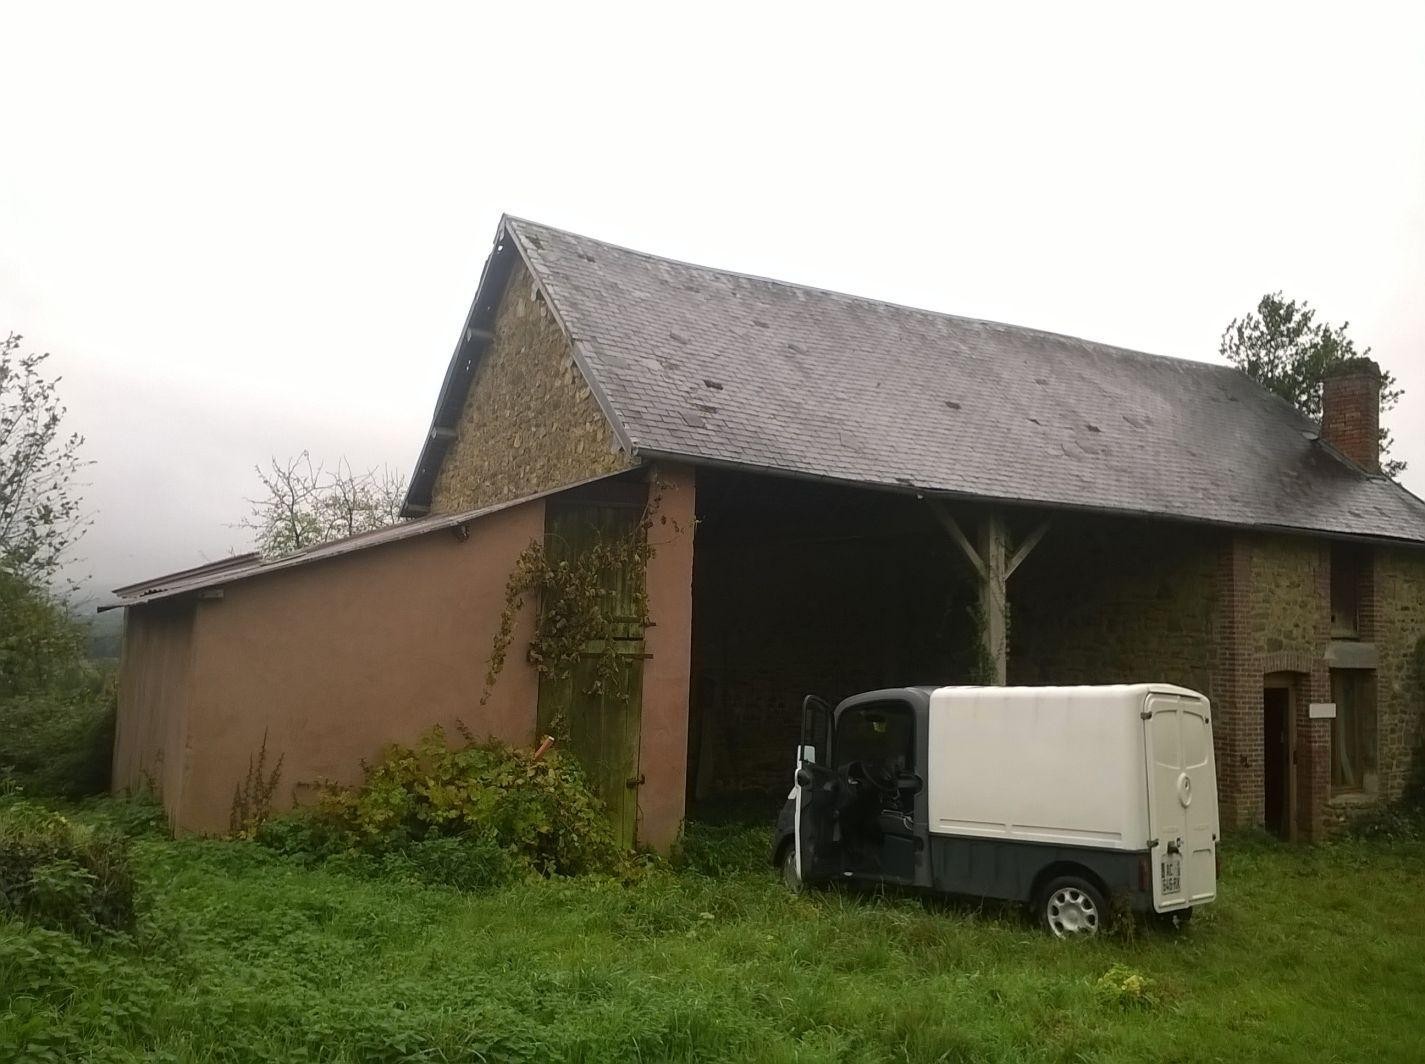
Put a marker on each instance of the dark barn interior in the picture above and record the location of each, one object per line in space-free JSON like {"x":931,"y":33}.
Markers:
{"x":804,"y":588}
{"x":807,"y":588}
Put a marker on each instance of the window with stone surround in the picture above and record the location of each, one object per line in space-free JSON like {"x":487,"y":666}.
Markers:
{"x":1353,"y":731}
{"x":1347,"y":570}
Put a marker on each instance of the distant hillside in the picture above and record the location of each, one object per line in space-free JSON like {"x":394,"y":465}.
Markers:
{"x":106,"y":634}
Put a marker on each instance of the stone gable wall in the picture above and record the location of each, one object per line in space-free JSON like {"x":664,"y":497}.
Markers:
{"x":530,"y":422}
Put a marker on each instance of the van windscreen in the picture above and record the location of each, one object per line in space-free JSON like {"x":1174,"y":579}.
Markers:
{"x":883,"y":733}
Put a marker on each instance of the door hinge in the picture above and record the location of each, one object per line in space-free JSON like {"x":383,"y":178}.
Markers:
{"x":635,"y":781}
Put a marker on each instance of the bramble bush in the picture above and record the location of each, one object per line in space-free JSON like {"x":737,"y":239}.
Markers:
{"x":470,"y":817}
{"x":63,"y":875}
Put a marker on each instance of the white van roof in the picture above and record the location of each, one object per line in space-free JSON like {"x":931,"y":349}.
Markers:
{"x":1086,"y":692}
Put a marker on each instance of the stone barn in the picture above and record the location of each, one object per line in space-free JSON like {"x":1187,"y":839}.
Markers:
{"x":839,"y":494}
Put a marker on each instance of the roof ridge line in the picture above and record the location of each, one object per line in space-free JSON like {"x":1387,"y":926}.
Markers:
{"x":854,"y":298}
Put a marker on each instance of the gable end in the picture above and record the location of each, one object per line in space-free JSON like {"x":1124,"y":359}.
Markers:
{"x":529,"y":421}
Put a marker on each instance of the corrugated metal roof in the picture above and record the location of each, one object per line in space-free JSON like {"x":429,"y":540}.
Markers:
{"x":246,"y":566}
{"x":727,"y":369}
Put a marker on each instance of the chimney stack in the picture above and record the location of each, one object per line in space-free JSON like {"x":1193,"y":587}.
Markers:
{"x":1350,"y":411}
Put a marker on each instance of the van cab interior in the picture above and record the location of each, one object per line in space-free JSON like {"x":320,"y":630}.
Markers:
{"x":865,"y":787}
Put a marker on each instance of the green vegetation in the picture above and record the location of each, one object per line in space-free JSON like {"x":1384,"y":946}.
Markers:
{"x":56,"y":707}
{"x":1286,"y":350}
{"x":243,"y":954}
{"x":61,"y":874}
{"x":475,"y":816}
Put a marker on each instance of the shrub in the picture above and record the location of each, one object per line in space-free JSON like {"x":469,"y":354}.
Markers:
{"x":63,"y":875}
{"x":133,"y":816}
{"x":59,"y":745}
{"x":1402,"y":819}
{"x":475,"y":815}
{"x":1126,"y":988}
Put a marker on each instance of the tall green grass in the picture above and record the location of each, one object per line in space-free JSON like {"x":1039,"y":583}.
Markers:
{"x":243,"y":955}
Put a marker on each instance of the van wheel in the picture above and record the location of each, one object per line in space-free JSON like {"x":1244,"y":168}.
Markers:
{"x":789,"y":870}
{"x":1070,"y":907}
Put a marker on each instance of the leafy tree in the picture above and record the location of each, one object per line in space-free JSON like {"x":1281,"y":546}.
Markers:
{"x":40,"y":510}
{"x":1285,"y":349}
{"x":40,"y":644}
{"x":56,"y":708}
{"x":303,"y":504}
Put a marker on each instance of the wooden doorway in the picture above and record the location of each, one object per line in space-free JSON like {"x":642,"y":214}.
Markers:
{"x":601,"y":717}
{"x":1278,"y":757}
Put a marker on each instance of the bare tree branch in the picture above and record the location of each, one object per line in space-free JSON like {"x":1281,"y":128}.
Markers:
{"x":303,"y":504}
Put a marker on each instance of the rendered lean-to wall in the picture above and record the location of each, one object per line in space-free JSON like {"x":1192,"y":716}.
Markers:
{"x":154,"y":676}
{"x":329,"y":662}
{"x":663,"y":748}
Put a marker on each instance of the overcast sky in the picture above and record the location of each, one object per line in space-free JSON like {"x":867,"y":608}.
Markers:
{"x":250,"y":233}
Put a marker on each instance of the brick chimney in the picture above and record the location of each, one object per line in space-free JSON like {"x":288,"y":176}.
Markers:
{"x":1350,"y":411}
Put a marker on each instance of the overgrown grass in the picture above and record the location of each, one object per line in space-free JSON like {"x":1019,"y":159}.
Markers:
{"x":242,"y":954}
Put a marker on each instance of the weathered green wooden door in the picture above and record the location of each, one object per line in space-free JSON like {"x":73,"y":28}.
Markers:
{"x":603,"y":726}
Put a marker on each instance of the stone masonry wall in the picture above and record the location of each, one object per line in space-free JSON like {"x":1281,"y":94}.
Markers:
{"x":1106,"y":600}
{"x":1289,"y":623}
{"x":530,"y":422}
{"x":1399,"y":609}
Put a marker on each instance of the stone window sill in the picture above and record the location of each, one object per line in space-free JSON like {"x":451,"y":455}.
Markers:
{"x":1347,"y":799}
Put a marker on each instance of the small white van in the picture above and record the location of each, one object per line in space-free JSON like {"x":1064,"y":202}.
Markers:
{"x":1069,"y":799}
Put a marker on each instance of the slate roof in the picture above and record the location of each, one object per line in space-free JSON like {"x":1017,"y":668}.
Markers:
{"x":716,"y":367}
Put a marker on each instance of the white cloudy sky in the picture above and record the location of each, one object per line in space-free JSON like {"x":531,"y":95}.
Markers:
{"x":250,"y":230}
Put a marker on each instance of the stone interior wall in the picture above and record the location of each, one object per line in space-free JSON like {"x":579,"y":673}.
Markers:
{"x":530,"y":422}
{"x":1114,"y":600}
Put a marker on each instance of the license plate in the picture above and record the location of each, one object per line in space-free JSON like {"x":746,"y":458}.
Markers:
{"x":1172,"y":873}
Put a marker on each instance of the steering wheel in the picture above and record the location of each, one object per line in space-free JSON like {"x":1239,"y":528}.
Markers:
{"x":877,"y":776}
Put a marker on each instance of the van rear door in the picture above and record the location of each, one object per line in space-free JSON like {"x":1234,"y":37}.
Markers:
{"x":1182,"y":800}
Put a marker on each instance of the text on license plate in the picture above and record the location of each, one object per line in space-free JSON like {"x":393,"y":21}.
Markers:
{"x":1172,"y":874}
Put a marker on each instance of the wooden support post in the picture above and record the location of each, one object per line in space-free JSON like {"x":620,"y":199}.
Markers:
{"x":993,"y":595}
{"x":993,"y":565}
{"x":1030,"y":542}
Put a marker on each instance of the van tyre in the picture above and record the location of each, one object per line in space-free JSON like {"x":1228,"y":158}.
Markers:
{"x":792,"y":881}
{"x":1071,"y":907}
